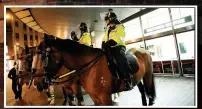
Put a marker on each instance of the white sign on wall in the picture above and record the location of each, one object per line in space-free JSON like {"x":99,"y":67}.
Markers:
{"x":168,"y":24}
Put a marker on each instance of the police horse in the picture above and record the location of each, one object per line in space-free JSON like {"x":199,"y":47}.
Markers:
{"x":96,"y":72}
{"x":68,"y":87}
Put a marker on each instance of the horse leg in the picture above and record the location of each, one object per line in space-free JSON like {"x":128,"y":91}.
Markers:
{"x":48,"y":94}
{"x":96,"y":100}
{"x":52,"y":94}
{"x":106,"y":99}
{"x":70,"y":96}
{"x":150,"y":88}
{"x":142,"y":91}
{"x":78,"y":93}
{"x":71,"y":100}
{"x":65,"y":96}
{"x":80,"y":99}
{"x":115,"y":98}
{"x":116,"y":95}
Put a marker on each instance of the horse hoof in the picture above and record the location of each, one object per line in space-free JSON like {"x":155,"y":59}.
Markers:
{"x":151,"y":103}
{"x":82,"y":103}
{"x":144,"y":103}
{"x":71,"y":103}
{"x":64,"y":104}
{"x":52,"y":104}
{"x":115,"y":103}
{"x":116,"y":100}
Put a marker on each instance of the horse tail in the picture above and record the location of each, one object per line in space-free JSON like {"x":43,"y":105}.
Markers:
{"x":150,"y":90}
{"x":148,"y":79}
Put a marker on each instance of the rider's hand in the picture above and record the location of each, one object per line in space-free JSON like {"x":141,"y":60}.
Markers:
{"x":103,"y":45}
{"x":111,"y":43}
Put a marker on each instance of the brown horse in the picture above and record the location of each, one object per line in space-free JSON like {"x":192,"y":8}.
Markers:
{"x":24,"y":69}
{"x":90,"y":64}
{"x":68,"y":87}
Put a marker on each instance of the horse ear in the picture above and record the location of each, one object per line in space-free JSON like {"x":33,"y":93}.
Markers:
{"x":47,"y":39}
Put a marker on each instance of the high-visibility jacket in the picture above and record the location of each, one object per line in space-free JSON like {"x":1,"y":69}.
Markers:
{"x":117,"y":34}
{"x":85,"y":39}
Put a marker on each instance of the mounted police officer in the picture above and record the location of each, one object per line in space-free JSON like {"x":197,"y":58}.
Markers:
{"x":85,"y":36}
{"x":74,"y":36}
{"x":113,"y":42}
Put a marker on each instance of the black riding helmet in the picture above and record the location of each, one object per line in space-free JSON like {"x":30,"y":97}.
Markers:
{"x":74,"y":36}
{"x":83,"y":27}
{"x":73,"y":33}
{"x":111,"y":16}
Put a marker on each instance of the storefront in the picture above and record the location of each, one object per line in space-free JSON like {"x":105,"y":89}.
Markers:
{"x":154,"y":31}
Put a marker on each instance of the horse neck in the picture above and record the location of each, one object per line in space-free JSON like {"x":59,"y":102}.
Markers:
{"x":72,"y":61}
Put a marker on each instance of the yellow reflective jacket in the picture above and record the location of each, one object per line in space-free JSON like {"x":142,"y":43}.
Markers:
{"x":118,"y":35}
{"x":85,"y":39}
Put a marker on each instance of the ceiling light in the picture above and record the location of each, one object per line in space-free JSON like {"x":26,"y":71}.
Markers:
{"x":8,"y":16}
{"x":93,"y":33}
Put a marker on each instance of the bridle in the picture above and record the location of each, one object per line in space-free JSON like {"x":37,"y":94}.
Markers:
{"x":60,"y":62}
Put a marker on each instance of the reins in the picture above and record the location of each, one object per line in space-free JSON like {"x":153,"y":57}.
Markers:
{"x":79,"y":70}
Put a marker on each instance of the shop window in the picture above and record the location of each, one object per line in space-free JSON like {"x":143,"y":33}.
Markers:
{"x":135,"y":45}
{"x":156,"y":22}
{"x":25,"y":37}
{"x":30,"y":30}
{"x":186,"y":44}
{"x":16,"y":23}
{"x":162,"y":48}
{"x":36,"y":38}
{"x":182,"y":17}
{"x":132,"y":29}
{"x":31,"y":37}
{"x":175,"y":13}
{"x":17,"y":36}
{"x":156,"y":17}
{"x":24,"y":26}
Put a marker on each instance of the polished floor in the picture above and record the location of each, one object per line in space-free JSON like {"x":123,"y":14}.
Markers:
{"x":171,"y":91}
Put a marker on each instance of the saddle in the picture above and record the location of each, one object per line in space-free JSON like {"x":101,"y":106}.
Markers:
{"x":113,"y":66}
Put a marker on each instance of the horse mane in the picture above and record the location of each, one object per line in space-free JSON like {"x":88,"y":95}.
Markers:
{"x":72,"y":47}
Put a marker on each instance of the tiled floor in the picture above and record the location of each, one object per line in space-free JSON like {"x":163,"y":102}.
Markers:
{"x":171,"y":91}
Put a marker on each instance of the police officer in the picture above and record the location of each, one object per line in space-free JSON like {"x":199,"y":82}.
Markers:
{"x":114,"y":42}
{"x":74,"y":36}
{"x":85,"y":36}
{"x":15,"y":84}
